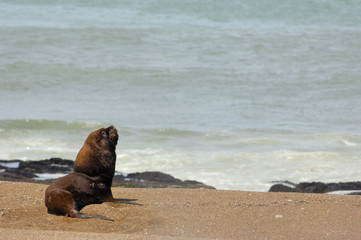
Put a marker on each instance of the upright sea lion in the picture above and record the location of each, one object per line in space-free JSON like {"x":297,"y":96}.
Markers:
{"x":97,"y":157}
{"x":91,"y":181}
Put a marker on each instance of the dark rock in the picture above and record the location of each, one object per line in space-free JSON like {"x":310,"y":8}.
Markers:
{"x":317,"y":187}
{"x":155,"y":180}
{"x":25,"y":171}
{"x":281,"y":188}
{"x":344,"y":186}
{"x":154,"y":176}
{"x":52,"y":165}
{"x":21,"y":172}
{"x":14,"y":177}
{"x":17,"y":170}
{"x":313,"y":187}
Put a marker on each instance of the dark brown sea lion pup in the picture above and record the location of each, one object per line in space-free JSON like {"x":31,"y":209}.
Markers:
{"x":97,"y":157}
{"x":91,"y":181}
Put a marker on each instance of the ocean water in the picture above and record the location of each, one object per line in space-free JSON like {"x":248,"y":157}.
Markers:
{"x":235,"y":94}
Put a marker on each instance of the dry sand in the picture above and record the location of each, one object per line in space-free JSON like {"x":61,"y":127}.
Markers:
{"x":184,"y":214}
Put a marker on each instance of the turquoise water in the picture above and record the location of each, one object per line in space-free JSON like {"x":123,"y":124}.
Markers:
{"x":232,"y":93}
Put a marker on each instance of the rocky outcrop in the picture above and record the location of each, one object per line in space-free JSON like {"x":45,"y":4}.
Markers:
{"x":156,"y":180}
{"x":26,"y":171}
{"x":31,"y":171}
{"x":353,"y":188}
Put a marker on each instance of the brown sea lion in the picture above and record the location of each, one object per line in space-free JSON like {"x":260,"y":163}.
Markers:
{"x":97,"y":157}
{"x":69,"y":194}
{"x":91,"y":181}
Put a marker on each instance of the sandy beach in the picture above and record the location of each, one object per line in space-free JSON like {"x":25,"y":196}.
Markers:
{"x":184,"y":214}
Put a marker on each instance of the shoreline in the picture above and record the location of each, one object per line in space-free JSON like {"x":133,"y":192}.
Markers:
{"x":48,"y":170}
{"x":170,"y":213}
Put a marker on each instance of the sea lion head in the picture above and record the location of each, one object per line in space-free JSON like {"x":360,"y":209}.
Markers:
{"x":104,"y":138}
{"x":97,"y":156}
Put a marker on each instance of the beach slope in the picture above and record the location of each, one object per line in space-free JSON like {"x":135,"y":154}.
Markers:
{"x":183,"y":214}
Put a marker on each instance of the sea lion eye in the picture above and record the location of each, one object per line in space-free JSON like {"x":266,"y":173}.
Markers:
{"x":103,"y":133}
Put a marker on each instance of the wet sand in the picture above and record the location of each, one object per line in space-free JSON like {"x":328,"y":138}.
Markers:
{"x":184,"y":214}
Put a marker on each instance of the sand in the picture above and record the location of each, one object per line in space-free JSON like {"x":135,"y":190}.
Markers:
{"x":184,"y":214}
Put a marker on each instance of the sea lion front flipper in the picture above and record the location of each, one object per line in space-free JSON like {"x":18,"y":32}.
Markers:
{"x":84,"y":216}
{"x":108,"y":197}
{"x":126,"y":201}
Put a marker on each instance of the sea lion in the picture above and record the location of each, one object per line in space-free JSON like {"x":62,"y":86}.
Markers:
{"x":97,"y":157}
{"x":91,"y":180}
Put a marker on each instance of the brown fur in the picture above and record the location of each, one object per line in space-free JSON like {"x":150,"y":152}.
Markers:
{"x":91,"y":181}
{"x":97,"y":157}
{"x":69,"y":194}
